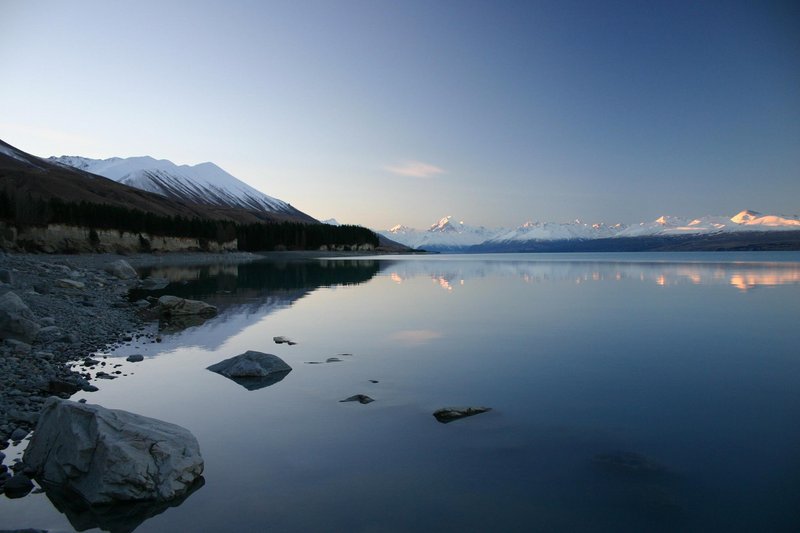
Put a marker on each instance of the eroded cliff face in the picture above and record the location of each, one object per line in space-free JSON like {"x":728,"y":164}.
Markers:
{"x":58,"y":238}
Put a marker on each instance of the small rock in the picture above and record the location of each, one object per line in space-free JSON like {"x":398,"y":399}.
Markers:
{"x":18,"y":434}
{"x":333,"y":360}
{"x":360,"y":398}
{"x":121,"y":269}
{"x":135,"y":358}
{"x":69,"y":284}
{"x":373,"y":381}
{"x":283,"y":340}
{"x":18,"y":347}
{"x":449,"y":414}
{"x":176,"y":306}
{"x":18,"y":486}
{"x":6,"y":276}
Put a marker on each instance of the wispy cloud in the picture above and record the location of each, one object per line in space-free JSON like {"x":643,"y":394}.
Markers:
{"x":415,"y":169}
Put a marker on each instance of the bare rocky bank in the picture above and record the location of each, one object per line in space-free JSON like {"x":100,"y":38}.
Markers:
{"x":57,"y":311}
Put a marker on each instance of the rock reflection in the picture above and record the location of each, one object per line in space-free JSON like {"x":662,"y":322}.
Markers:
{"x":122,"y":517}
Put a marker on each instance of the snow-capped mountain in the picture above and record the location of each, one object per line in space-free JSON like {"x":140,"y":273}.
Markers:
{"x":449,"y":235}
{"x":204,"y":183}
{"x":446,"y":234}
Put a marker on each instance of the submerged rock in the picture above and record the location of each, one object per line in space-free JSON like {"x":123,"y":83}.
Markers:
{"x":109,"y":455}
{"x":135,"y":358}
{"x":449,"y":414}
{"x":176,"y":306}
{"x":283,"y":340}
{"x":253,"y":370}
{"x":360,"y":398}
{"x":627,"y":463}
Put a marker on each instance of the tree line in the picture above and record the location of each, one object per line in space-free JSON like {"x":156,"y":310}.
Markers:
{"x":30,"y":211}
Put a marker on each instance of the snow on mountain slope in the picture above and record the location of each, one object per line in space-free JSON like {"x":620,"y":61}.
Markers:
{"x":446,"y":234}
{"x":449,"y":235}
{"x":204,"y":183}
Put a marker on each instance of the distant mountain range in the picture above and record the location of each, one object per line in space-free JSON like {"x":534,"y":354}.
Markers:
{"x":205,"y":183}
{"x":743,"y":230}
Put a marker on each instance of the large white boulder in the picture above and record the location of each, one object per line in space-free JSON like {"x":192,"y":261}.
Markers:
{"x":108,"y":455}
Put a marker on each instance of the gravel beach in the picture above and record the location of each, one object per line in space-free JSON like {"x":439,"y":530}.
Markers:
{"x":56,"y":313}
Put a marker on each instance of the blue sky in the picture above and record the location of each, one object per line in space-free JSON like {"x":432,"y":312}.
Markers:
{"x":381,"y":113}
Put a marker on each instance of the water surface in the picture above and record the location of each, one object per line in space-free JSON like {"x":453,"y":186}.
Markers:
{"x":629,"y":392}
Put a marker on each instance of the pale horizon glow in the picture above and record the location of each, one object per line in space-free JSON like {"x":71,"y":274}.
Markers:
{"x":385,"y":113}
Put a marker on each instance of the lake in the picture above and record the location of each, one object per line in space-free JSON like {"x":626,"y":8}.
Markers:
{"x":629,"y":392}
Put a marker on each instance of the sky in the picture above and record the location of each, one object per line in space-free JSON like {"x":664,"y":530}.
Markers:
{"x":384,"y":112}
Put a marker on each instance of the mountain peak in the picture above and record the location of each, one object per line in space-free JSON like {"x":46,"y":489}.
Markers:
{"x":446,"y":224}
{"x":205,"y":183}
{"x":745,"y":216}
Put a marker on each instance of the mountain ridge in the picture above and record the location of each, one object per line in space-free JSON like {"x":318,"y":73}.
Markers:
{"x":203,"y":183}
{"x":445,"y":235}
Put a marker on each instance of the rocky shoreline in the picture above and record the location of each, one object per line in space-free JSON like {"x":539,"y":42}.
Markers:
{"x":73,"y":307}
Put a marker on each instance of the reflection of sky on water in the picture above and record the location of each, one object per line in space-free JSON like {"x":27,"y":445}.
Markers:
{"x":585,"y":358}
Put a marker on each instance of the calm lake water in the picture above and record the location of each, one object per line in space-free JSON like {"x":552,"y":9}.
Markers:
{"x":629,"y":392}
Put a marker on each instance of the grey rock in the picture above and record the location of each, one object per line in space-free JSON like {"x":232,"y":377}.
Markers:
{"x":16,"y":319}
{"x":253,"y":370}
{"x":18,"y":347}
{"x":18,"y":434}
{"x":153,"y":284}
{"x":449,"y":414}
{"x":176,"y":306}
{"x":108,"y":455}
{"x":18,"y":486}
{"x":49,"y":334}
{"x":121,"y":269}
{"x":6,"y":276}
{"x":360,"y":398}
{"x":135,"y":358}
{"x":47,"y":321}
{"x":283,"y":340}
{"x":333,"y":360}
{"x":69,"y":284}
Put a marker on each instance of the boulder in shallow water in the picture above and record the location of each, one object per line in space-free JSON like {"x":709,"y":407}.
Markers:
{"x":449,"y":414}
{"x":176,"y":306}
{"x":109,"y":455}
{"x":253,"y":370}
{"x":121,"y":269}
{"x":283,"y":340}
